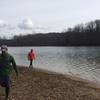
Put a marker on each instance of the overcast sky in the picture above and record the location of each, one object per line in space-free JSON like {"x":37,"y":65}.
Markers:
{"x":27,"y":16}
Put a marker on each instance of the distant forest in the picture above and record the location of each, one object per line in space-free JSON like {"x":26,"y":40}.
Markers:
{"x":87,"y":34}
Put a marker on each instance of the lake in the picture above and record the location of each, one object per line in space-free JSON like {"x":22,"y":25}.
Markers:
{"x":81,"y":61}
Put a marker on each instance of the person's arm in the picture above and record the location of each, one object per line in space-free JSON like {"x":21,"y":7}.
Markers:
{"x":28,"y":56}
{"x":14,"y":65}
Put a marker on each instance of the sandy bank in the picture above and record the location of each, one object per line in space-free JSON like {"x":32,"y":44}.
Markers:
{"x":39,"y":84}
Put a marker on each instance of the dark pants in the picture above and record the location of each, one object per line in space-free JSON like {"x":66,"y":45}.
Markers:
{"x":31,"y":63}
{"x":5,"y":82}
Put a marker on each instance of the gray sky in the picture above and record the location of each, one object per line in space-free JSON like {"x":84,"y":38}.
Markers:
{"x":27,"y":16}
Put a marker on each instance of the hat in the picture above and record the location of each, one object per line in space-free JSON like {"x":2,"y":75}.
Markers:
{"x":4,"y":48}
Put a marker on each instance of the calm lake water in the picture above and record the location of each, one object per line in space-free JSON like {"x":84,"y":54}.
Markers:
{"x":81,"y":61}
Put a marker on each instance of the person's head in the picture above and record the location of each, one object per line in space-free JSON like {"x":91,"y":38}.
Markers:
{"x":4,"y":48}
{"x":31,"y":50}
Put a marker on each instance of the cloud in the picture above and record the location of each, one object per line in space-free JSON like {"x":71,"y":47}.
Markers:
{"x":2,"y":24}
{"x":5,"y":26}
{"x":9,"y":27}
{"x":26,"y":24}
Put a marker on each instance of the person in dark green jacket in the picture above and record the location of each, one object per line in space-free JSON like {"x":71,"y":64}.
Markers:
{"x":7,"y":64}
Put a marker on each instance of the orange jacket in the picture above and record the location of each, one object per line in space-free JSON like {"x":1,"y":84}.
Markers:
{"x":31,"y":55}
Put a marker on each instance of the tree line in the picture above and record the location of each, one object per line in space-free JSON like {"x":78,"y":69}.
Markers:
{"x":87,"y":34}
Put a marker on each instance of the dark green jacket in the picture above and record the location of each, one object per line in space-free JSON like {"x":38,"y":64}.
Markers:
{"x":7,"y":63}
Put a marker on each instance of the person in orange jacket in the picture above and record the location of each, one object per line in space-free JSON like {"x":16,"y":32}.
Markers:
{"x":31,"y":57}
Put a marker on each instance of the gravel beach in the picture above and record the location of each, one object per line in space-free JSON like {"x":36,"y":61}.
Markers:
{"x":37,"y":84}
